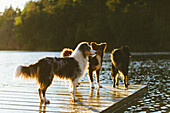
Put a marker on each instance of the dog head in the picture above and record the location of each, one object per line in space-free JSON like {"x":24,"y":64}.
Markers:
{"x":86,"y":49}
{"x":100,"y":48}
{"x":125,"y":50}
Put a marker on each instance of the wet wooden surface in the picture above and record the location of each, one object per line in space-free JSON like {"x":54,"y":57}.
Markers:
{"x":23,"y":97}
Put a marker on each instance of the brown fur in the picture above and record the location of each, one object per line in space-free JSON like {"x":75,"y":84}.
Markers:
{"x":120,"y":61}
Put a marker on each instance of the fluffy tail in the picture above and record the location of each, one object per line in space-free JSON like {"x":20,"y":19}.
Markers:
{"x":26,"y":71}
{"x":66,"y":52}
{"x":18,"y":71}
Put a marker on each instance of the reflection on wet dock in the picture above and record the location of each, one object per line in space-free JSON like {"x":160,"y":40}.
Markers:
{"x":23,"y":97}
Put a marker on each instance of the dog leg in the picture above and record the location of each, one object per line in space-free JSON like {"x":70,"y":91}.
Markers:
{"x":126,"y":81}
{"x":97,"y":78}
{"x":43,"y":92}
{"x":74,"y":83}
{"x":124,"y":78}
{"x":114,"y":81}
{"x":45,"y":100}
{"x":71,"y":87}
{"x":113,"y":77}
{"x":114,"y":72}
{"x":40,"y":94}
{"x":91,"y":78}
{"x":117,"y":80}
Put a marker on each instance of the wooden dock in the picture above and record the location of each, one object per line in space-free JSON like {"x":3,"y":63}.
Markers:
{"x":23,"y":97}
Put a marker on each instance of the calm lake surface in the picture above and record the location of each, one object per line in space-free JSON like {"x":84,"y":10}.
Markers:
{"x":152,"y":69}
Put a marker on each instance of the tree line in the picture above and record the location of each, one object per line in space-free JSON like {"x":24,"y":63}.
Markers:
{"x":51,"y":25}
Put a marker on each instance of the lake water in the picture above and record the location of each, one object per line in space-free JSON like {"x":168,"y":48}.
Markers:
{"x":152,"y":69}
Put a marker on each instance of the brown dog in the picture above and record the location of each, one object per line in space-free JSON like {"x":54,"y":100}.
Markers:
{"x":120,"y":61}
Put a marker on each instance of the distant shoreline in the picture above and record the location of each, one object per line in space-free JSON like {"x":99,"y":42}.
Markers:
{"x":132,"y":53}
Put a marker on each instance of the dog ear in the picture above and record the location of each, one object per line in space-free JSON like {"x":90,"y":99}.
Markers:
{"x":93,"y":44}
{"x":104,"y":45}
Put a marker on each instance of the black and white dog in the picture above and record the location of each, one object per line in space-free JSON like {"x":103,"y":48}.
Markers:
{"x":95,"y":61}
{"x":70,"y":68}
{"x":120,"y":61}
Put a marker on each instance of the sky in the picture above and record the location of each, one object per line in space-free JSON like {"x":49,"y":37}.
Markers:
{"x":15,"y":3}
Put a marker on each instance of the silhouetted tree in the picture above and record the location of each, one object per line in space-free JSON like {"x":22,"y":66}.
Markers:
{"x":54,"y":24}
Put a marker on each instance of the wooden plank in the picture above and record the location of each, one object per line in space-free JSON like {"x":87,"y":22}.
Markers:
{"x":23,"y":97}
{"x":124,"y":103}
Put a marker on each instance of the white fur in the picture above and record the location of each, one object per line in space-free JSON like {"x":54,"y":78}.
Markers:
{"x":81,"y":60}
{"x":99,"y":66}
{"x":83,"y":63}
{"x":98,"y":85}
{"x":92,"y":52}
{"x":92,"y":84}
{"x":73,"y":87}
{"x":78,"y":55}
{"x":18,"y":71}
{"x":122,"y":75}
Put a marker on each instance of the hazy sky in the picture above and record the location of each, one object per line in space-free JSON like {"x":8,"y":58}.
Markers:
{"x":15,"y":3}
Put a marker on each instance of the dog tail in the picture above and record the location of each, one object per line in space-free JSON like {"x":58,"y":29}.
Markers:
{"x":66,"y":52}
{"x":26,"y":71}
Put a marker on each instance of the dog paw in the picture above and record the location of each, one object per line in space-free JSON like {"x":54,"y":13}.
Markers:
{"x":47,"y":102}
{"x":74,"y":99}
{"x":42,"y":101}
{"x":93,"y":87}
{"x":126,"y":87}
{"x":100,"y":86}
{"x":78,"y":84}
